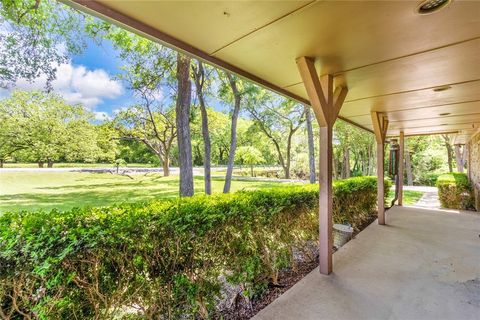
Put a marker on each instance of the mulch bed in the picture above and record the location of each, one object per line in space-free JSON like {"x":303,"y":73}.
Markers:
{"x":287,"y":277}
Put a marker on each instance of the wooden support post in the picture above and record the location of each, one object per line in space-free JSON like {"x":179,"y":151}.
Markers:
{"x":401,"y":168}
{"x":380,"y":126}
{"x":326,"y":103}
{"x":469,"y":171}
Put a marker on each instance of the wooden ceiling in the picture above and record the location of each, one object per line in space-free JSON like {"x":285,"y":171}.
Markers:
{"x":392,"y":59}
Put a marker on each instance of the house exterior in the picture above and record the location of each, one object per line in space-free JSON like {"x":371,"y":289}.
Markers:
{"x":393,"y":68}
{"x":474,"y":166}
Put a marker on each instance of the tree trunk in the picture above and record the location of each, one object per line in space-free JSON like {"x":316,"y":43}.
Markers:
{"x":183,"y":125}
{"x":459,"y":158}
{"x":166,"y":166}
{"x":233,"y":134}
{"x":311,"y":145}
{"x":335,"y":167}
{"x":446,"y":138}
{"x":346,"y":163}
{"x":40,"y":164}
{"x":371,"y":161}
{"x":251,"y":170}
{"x":356,"y":165}
{"x":449,"y":157}
{"x":367,"y":170}
{"x":220,"y":155}
{"x":289,"y":156}
{"x":50,"y":163}
{"x":408,"y":169}
{"x":1,"y":163}
{"x":199,"y":82}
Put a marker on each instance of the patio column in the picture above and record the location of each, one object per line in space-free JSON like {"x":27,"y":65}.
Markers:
{"x":401,"y":168}
{"x":326,"y":103}
{"x":469,"y":172}
{"x":380,"y":125}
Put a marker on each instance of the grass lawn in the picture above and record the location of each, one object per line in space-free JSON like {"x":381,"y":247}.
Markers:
{"x":75,"y":165}
{"x":65,"y":190}
{"x":409,"y":196}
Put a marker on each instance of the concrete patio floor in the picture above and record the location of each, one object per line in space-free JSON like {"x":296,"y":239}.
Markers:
{"x":424,"y":264}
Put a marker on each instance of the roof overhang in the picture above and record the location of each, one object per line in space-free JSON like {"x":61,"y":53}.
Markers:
{"x":421,"y":71}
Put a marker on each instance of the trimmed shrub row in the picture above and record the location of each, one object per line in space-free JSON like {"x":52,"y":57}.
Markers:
{"x":161,"y":259}
{"x":428,"y":179}
{"x":455,"y":191}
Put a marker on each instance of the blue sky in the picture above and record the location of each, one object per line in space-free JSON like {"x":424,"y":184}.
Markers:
{"x":104,"y":57}
{"x":87,"y":79}
{"x":90,"y":79}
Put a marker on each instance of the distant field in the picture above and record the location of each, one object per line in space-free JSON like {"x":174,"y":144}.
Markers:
{"x":64,"y":190}
{"x":75,"y":165}
{"x":32,"y":190}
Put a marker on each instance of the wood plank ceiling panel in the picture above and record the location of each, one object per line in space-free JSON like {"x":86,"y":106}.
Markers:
{"x":390,"y":57}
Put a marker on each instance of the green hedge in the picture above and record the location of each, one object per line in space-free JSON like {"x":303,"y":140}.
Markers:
{"x":455,"y":191}
{"x":428,"y":179}
{"x":161,"y":258}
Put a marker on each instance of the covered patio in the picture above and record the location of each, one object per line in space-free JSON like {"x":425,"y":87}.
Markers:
{"x":423,"y":265}
{"x":393,"y":68}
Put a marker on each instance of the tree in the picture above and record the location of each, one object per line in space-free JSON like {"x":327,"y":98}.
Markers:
{"x":148,"y":70}
{"x":311,"y":145}
{"x":352,"y":145}
{"x":151,"y":125}
{"x":13,"y":136}
{"x":234,"y":95}
{"x":219,"y":124}
{"x":343,"y":133}
{"x":278,"y":118}
{"x":249,"y":156}
{"x":427,"y":155}
{"x":459,"y":157}
{"x":200,"y":78}
{"x":81,"y":139}
{"x":182,"y":110}
{"x":448,"y":146}
{"x":37,"y":36}
{"x":49,"y":129}
{"x":106,"y":142}
{"x":408,"y":167}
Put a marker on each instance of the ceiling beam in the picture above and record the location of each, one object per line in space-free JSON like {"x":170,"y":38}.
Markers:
{"x":421,"y":134}
{"x":420,"y":108}
{"x":101,"y":11}
{"x":95,"y":8}
{"x":411,"y":91}
{"x":475,"y":124}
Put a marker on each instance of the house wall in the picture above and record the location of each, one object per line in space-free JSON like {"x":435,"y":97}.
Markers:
{"x":474,"y":166}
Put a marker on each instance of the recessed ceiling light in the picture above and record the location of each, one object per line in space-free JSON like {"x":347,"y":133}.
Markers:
{"x":431,"y":6}
{"x":442,"y":88}
{"x":444,"y":114}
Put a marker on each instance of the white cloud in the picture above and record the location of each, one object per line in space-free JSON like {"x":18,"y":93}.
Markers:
{"x":101,"y":116}
{"x":77,"y":84}
{"x":96,"y":83}
{"x":118,"y":110}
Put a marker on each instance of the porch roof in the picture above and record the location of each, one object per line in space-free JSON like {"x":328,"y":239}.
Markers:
{"x":422,"y":71}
